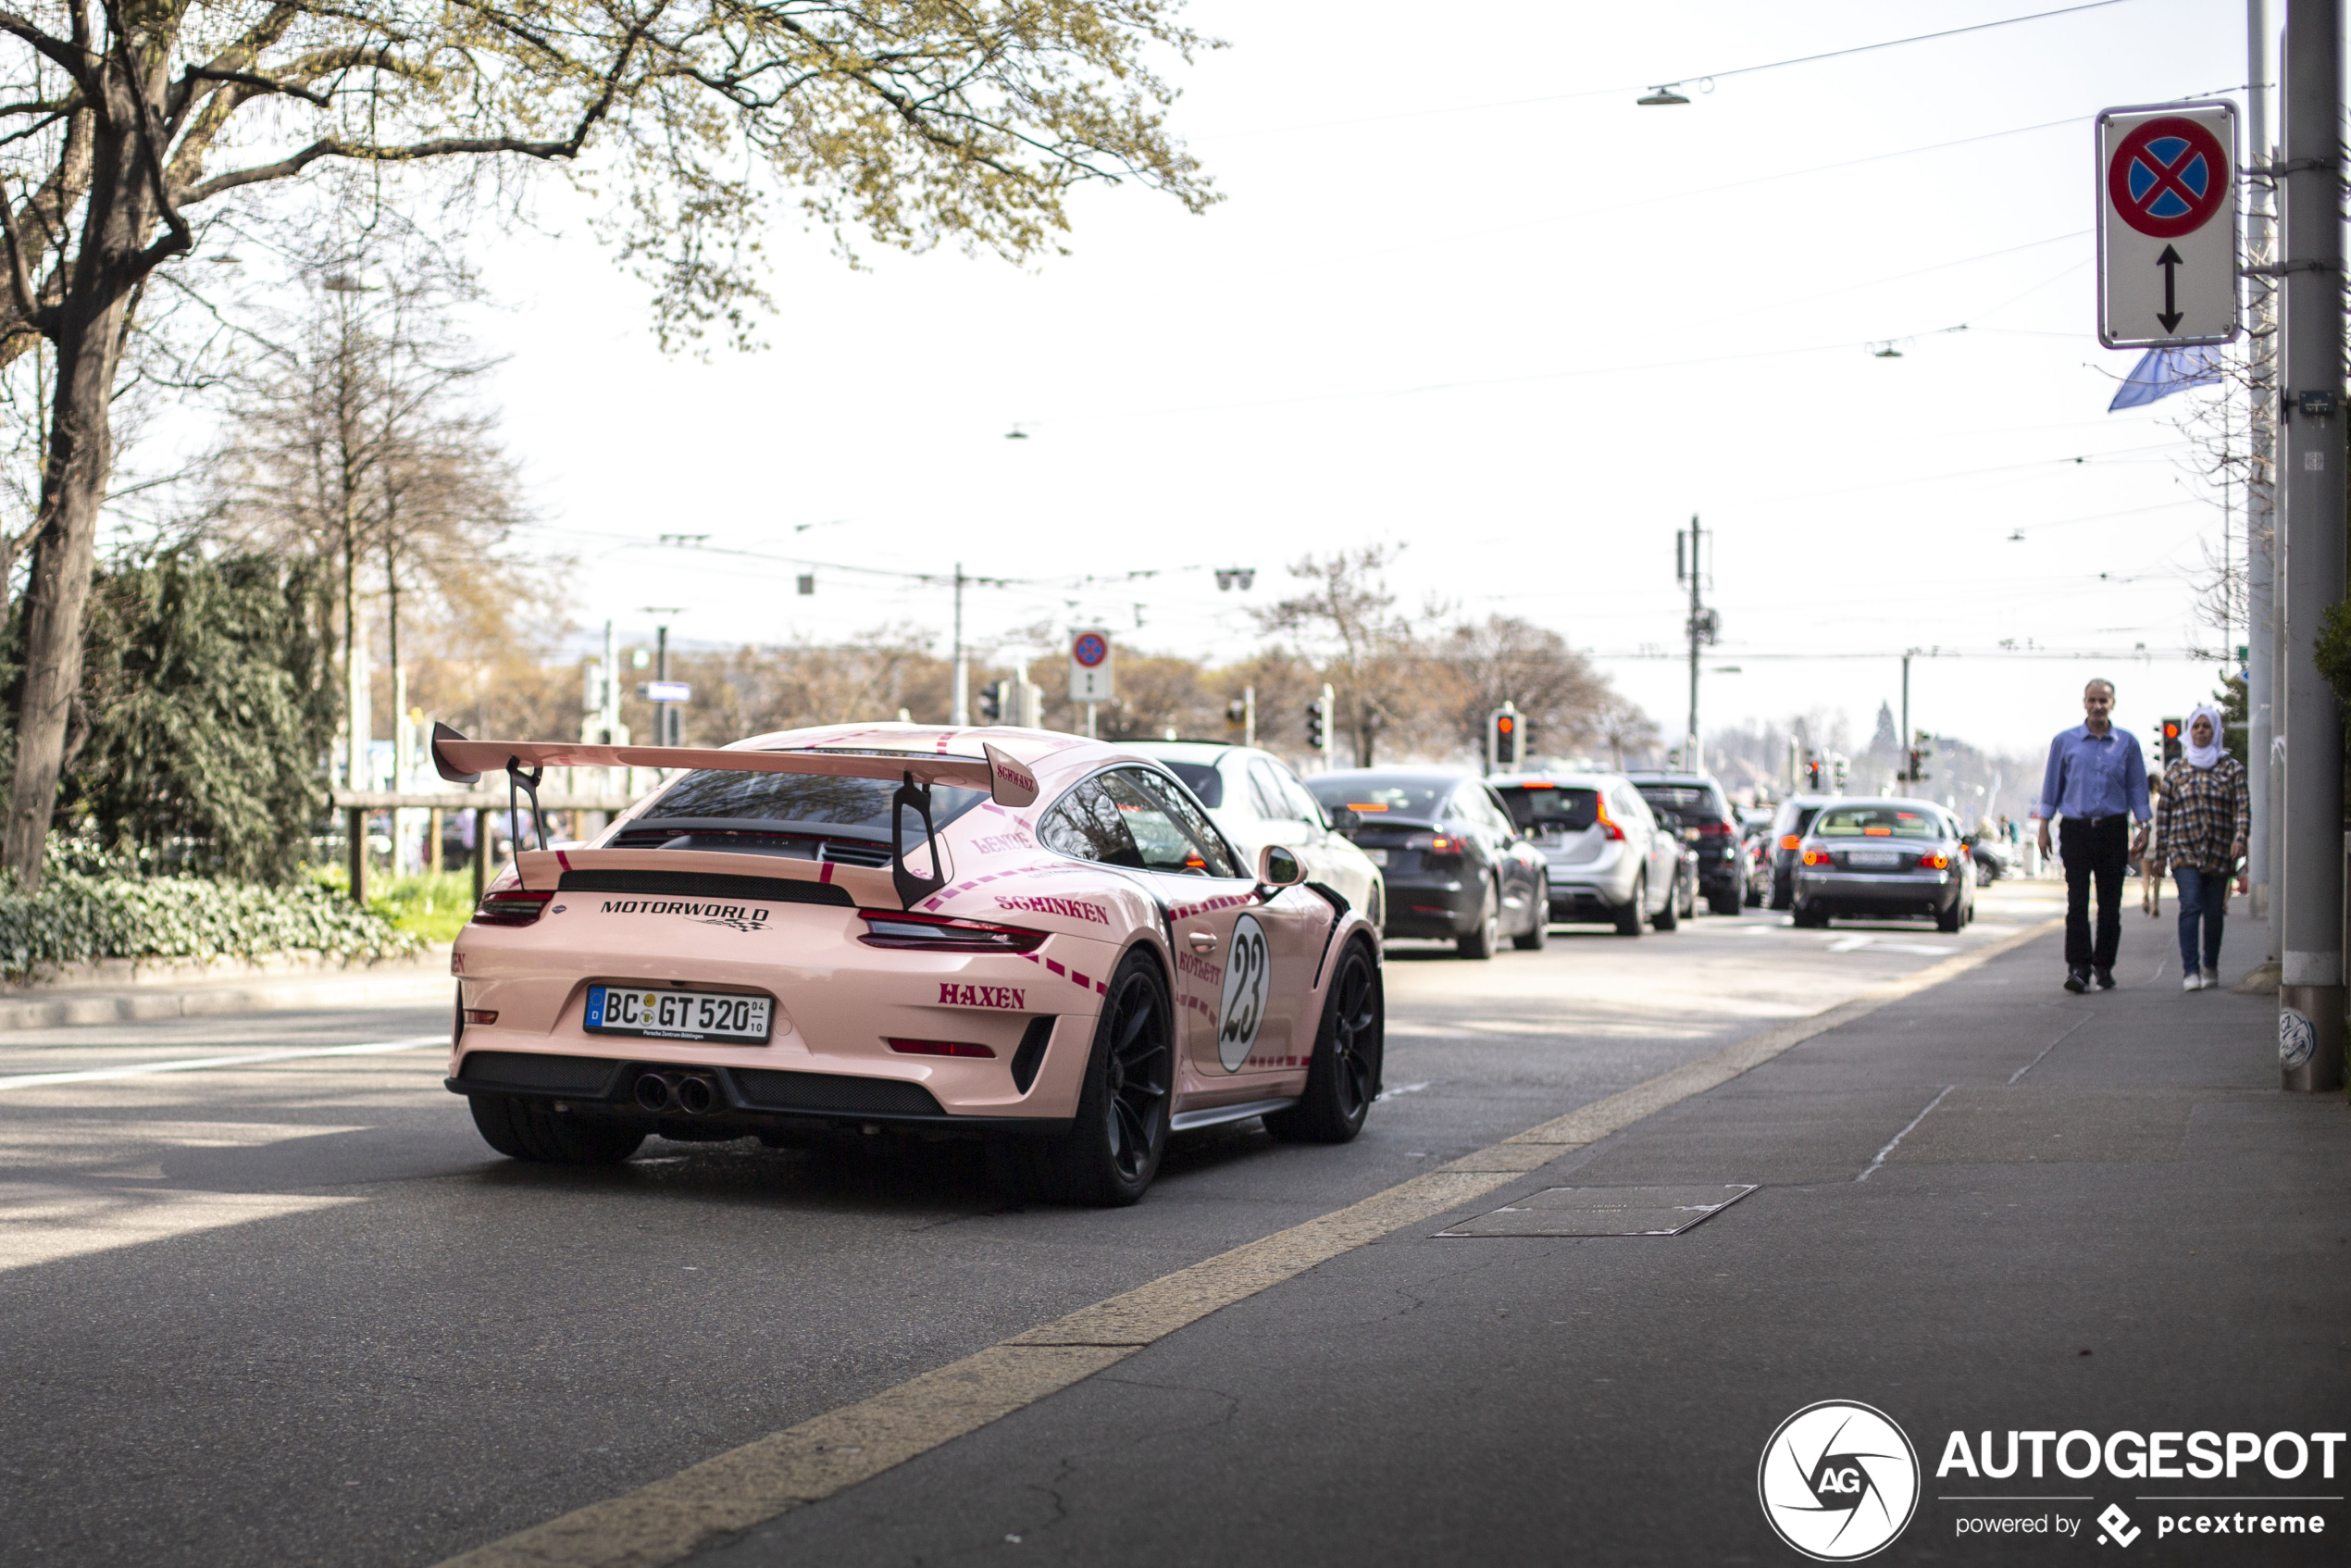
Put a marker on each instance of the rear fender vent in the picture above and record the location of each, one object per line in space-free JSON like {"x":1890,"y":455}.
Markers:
{"x":1030,"y":1054}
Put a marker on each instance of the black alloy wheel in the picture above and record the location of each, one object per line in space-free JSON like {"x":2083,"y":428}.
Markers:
{"x":1539,"y":921}
{"x":1110,"y":1152}
{"x":1482,"y":939}
{"x":1344,"y":1077}
{"x":1629,"y":915}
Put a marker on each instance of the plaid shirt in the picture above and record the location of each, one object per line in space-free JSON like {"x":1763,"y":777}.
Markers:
{"x":2205,"y":814}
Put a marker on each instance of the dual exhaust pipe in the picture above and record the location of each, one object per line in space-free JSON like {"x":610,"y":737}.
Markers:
{"x":690,"y":1092}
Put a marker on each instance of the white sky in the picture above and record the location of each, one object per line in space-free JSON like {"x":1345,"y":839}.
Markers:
{"x":1526,"y":339}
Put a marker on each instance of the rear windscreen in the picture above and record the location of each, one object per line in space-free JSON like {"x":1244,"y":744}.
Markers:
{"x":1876,"y":821}
{"x":1532,"y":808}
{"x":1680,"y":802}
{"x":1203,"y":780}
{"x":1416,"y":801}
{"x":715,"y":795}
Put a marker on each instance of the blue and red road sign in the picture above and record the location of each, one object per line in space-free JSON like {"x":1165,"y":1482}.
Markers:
{"x":2168,"y":177}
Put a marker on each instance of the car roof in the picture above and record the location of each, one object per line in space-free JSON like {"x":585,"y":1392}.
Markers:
{"x":1416,"y":775}
{"x":1189,"y":751}
{"x":1654,"y":776}
{"x":1937,"y":808}
{"x":1556,"y":780}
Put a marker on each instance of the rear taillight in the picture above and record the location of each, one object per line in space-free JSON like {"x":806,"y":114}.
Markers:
{"x":1442,"y":845}
{"x":939,"y":1048}
{"x":1935,"y":859}
{"x":1814,"y":854}
{"x":511,"y":906}
{"x":942,"y":933}
{"x":1605,"y":823}
{"x":1713,"y":829}
{"x":1790,"y":841}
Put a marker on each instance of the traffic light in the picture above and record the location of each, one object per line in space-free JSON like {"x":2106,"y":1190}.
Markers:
{"x":1503,"y":738}
{"x":992,"y":702}
{"x":1836,"y":765}
{"x":2171,"y":731}
{"x":1318,"y":732}
{"x":1236,"y":714}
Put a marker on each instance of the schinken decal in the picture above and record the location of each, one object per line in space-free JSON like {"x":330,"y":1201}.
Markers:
{"x":1248,"y":984}
{"x":1010,"y":998}
{"x":741,"y":916}
{"x":1068,"y":909}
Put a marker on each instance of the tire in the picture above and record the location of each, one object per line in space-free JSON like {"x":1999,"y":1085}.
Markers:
{"x":1810,"y":919}
{"x":1754,"y":896}
{"x":1670,"y":916}
{"x":1783,"y":896}
{"x":1111,"y":1150}
{"x":526,"y":1129}
{"x":1344,"y":1078}
{"x":1628,"y":914}
{"x":1725,"y":904}
{"x":1538,"y":927}
{"x":1483,"y":939}
{"x":1689,"y":899}
{"x":1951,"y":919}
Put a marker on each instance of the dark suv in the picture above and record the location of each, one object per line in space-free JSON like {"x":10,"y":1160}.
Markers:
{"x":1694,"y":803}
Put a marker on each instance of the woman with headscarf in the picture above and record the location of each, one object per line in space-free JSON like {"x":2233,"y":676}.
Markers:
{"x":2201,"y":824}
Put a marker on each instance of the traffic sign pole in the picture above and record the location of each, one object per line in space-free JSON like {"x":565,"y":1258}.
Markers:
{"x":2311,"y":494}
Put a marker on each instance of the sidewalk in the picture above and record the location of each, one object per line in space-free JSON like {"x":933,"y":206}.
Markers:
{"x":1989,"y":1207}
{"x":117,"y":992}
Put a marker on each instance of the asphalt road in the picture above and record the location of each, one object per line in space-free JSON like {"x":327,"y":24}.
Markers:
{"x":292,"y":1310}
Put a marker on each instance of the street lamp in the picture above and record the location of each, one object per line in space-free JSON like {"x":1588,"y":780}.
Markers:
{"x":1661,"y":95}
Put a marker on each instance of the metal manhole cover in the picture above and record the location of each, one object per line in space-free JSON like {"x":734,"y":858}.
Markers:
{"x":1605,"y":1211}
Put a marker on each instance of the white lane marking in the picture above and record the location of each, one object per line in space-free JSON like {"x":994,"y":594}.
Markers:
{"x":1851,"y":944}
{"x":1394,"y":1090}
{"x":198,"y":1063}
{"x":1899,"y":1137}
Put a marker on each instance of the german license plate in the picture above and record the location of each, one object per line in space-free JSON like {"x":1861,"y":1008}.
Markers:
{"x":1377,"y":857}
{"x":640,"y":1010}
{"x":1872,"y":857}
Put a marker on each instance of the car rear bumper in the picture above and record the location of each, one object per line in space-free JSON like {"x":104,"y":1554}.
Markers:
{"x":1891,"y":893}
{"x":1432,"y":906}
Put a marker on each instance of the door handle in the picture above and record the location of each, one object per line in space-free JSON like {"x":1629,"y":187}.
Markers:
{"x":1202,"y":941}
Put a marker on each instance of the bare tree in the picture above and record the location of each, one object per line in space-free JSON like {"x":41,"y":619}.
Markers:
{"x":127,"y":128}
{"x":1505,"y":659}
{"x":1347,"y":616}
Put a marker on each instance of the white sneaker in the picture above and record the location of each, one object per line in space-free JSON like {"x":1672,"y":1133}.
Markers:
{"x":2190,"y":981}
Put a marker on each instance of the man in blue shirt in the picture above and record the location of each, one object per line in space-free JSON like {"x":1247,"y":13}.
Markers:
{"x":2096,"y":784}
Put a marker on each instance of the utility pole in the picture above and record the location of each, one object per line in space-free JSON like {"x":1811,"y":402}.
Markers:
{"x":1703,"y":626}
{"x":2311,"y":390}
{"x":1906,"y":715}
{"x":962,"y":715}
{"x":2260,"y":555}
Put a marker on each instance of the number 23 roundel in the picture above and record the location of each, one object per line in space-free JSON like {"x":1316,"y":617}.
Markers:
{"x":1248,"y":985}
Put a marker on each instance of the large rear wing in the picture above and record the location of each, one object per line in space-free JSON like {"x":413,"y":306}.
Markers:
{"x":1007,"y":782}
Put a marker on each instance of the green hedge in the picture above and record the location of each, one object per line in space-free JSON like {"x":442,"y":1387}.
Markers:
{"x":88,"y":909}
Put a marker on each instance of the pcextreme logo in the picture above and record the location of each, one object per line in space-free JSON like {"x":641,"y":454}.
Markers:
{"x":1838,"y":1481}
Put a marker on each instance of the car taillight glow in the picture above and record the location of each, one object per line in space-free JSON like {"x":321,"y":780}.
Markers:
{"x":1713,"y":829}
{"x":939,"y":1048}
{"x":1790,"y":841}
{"x":942,"y":933}
{"x":511,"y":906}
{"x":1817,"y":854}
{"x":1437,"y":843}
{"x":1935,"y":859}
{"x":1605,"y":823}
{"x":481,"y":1014}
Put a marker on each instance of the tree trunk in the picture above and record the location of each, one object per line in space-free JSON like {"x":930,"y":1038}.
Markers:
{"x":80,"y":459}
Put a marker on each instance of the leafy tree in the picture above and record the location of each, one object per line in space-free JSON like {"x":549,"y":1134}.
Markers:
{"x":201,"y":719}
{"x":919,"y":122}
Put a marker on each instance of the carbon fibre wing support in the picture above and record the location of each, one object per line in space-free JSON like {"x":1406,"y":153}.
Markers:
{"x":912,"y":886}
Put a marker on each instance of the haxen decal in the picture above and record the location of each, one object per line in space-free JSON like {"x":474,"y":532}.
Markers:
{"x":741,"y":916}
{"x":1010,"y":998}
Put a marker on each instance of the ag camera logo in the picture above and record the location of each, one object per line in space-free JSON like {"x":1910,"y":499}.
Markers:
{"x":1839,"y":1481}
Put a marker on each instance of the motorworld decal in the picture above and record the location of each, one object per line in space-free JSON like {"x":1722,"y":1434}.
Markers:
{"x":738,"y":916}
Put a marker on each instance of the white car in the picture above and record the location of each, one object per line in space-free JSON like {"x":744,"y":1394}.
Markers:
{"x":1254,"y":797}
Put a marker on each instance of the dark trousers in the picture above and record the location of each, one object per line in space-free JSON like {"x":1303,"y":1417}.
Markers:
{"x":2203,"y":899}
{"x":2094,"y":848}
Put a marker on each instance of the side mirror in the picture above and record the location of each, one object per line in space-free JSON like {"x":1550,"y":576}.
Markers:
{"x":1344,"y":819}
{"x":1278,"y":867}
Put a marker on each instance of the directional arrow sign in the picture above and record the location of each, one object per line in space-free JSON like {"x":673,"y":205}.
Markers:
{"x":2167,"y":225}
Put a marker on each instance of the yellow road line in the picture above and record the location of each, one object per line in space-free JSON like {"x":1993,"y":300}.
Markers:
{"x":668,"y":1520}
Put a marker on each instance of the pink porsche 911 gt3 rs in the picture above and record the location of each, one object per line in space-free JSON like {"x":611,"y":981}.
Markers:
{"x":1024,"y":937}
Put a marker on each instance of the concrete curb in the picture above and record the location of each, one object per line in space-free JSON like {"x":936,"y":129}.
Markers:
{"x":425,"y":980}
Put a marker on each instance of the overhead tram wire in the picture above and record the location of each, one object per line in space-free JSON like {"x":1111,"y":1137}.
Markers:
{"x":1675,"y":82}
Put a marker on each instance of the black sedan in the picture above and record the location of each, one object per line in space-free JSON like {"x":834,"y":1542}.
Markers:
{"x":1455,"y":864}
{"x":1694,"y":805}
{"x":1881,"y":857}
